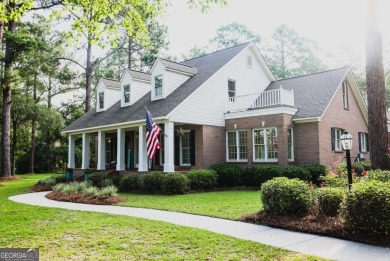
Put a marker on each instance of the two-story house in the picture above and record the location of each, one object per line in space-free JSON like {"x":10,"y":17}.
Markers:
{"x":222,"y":107}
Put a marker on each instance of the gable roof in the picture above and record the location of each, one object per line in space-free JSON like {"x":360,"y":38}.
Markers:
{"x":206,"y":66}
{"x":111,"y":83}
{"x":313,"y":92}
{"x":179,"y":66}
{"x":140,"y":75}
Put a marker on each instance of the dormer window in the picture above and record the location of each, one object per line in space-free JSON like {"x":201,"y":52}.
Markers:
{"x":158,"y":86}
{"x":101,"y":100}
{"x":345,"y":95}
{"x":126,"y":93}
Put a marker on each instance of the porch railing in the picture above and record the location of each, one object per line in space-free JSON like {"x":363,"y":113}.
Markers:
{"x":278,"y":97}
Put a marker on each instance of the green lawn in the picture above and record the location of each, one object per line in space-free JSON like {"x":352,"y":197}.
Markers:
{"x":74,"y":235}
{"x":223,"y":204}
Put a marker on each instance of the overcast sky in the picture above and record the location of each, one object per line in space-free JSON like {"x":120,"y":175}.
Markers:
{"x":330,"y":23}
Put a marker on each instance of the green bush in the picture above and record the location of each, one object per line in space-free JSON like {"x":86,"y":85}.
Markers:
{"x":202,"y":178}
{"x":73,"y":187}
{"x":249,"y":177}
{"x":368,"y":208}
{"x":108,"y":192}
{"x":316,"y":171}
{"x":268,"y":172}
{"x":153,"y":182}
{"x":129,"y":183}
{"x":60,"y":178}
{"x":96,"y":178}
{"x":283,"y":196}
{"x":228,"y":174}
{"x":115,"y":178}
{"x":297,"y":172}
{"x":59,"y":187}
{"x":106,"y":183}
{"x":175,"y":183}
{"x":330,"y":199}
{"x":358,"y":167}
{"x":53,"y":180}
{"x":91,"y":191}
{"x":366,"y":164}
{"x":380,"y":175}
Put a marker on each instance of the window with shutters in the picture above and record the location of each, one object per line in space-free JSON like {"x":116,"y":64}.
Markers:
{"x":185,"y":148}
{"x":265,"y":144}
{"x":290,"y":144}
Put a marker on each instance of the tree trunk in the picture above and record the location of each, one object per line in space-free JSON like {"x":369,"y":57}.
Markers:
{"x":33,"y":130}
{"x":377,"y":121}
{"x":129,"y":54}
{"x":6,"y":114}
{"x":88,"y":80}
{"x":14,"y":144}
{"x":47,"y":134}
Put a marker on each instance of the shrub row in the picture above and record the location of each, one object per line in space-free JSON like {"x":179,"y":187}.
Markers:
{"x":86,"y":189}
{"x":365,"y":209}
{"x":53,"y":180}
{"x":232,"y":175}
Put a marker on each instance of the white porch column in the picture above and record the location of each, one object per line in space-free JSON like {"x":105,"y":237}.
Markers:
{"x":142,"y":153}
{"x":71,"y":146}
{"x":85,"y":156}
{"x":101,"y":150}
{"x":120,"y":154}
{"x":169,"y":156}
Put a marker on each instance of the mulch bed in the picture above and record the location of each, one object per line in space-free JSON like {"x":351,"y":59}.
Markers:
{"x":41,"y":187}
{"x":79,"y":198}
{"x":12,"y":178}
{"x":314,"y":223}
{"x":2,"y":185}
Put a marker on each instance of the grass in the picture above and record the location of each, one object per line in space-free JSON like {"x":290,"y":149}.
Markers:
{"x":222,"y":204}
{"x":76,"y":235}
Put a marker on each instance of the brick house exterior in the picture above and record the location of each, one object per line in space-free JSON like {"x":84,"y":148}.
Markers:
{"x":222,"y":107}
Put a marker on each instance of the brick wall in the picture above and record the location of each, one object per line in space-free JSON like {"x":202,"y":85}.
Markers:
{"x":214,"y":144}
{"x":306,"y":143}
{"x":336,"y":116}
{"x":281,"y":121}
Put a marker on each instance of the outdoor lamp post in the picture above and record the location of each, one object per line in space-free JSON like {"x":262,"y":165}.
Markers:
{"x":346,"y":142}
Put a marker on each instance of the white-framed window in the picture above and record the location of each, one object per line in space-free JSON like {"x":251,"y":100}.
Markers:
{"x":290,"y":141}
{"x":158,"y":86}
{"x":101,"y":100}
{"x":162,"y":146}
{"x":345,"y":95}
{"x":126,"y":93}
{"x":336,"y":135}
{"x":231,"y":88}
{"x":249,"y":61}
{"x":363,"y":142}
{"x":185,"y":148}
{"x":265,"y":144}
{"x":237,"y":148}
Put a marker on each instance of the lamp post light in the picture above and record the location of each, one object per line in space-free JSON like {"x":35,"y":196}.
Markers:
{"x":346,"y":142}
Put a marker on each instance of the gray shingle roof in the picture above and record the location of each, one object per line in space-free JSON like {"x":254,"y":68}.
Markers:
{"x":206,"y":66}
{"x":140,"y":75}
{"x":179,"y":67}
{"x":111,"y":83}
{"x":312,"y":92}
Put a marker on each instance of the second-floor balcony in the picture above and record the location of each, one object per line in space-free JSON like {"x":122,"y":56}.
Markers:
{"x":266,"y":99}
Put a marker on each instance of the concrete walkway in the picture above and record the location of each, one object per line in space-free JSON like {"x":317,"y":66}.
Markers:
{"x":327,"y":247}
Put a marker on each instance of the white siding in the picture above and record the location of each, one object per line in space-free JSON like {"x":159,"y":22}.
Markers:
{"x":173,"y":80}
{"x":111,"y":96}
{"x":207,"y":104}
{"x":158,"y":69}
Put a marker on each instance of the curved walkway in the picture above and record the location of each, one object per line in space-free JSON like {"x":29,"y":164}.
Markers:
{"x":327,"y":247}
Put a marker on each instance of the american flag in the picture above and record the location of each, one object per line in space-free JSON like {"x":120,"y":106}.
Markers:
{"x":152,"y":132}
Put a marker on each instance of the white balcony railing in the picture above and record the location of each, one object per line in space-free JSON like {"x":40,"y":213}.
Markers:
{"x":278,"y":97}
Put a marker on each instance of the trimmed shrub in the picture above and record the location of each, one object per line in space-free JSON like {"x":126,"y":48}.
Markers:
{"x":50,"y":181}
{"x":367,"y":208}
{"x":358,"y":167}
{"x":265,"y":173}
{"x":228,"y":174}
{"x":60,"y":178}
{"x":108,"y":192}
{"x":153,"y":182}
{"x":297,"y":172}
{"x":129,"y":183}
{"x":105,"y":183}
{"x":59,"y":187}
{"x":380,"y":175}
{"x":316,"y":171}
{"x":202,"y":178}
{"x":175,"y":183}
{"x":283,"y":196}
{"x":366,"y":165}
{"x":249,"y":177}
{"x":330,"y":199}
{"x":97,"y":178}
{"x":91,"y":191}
